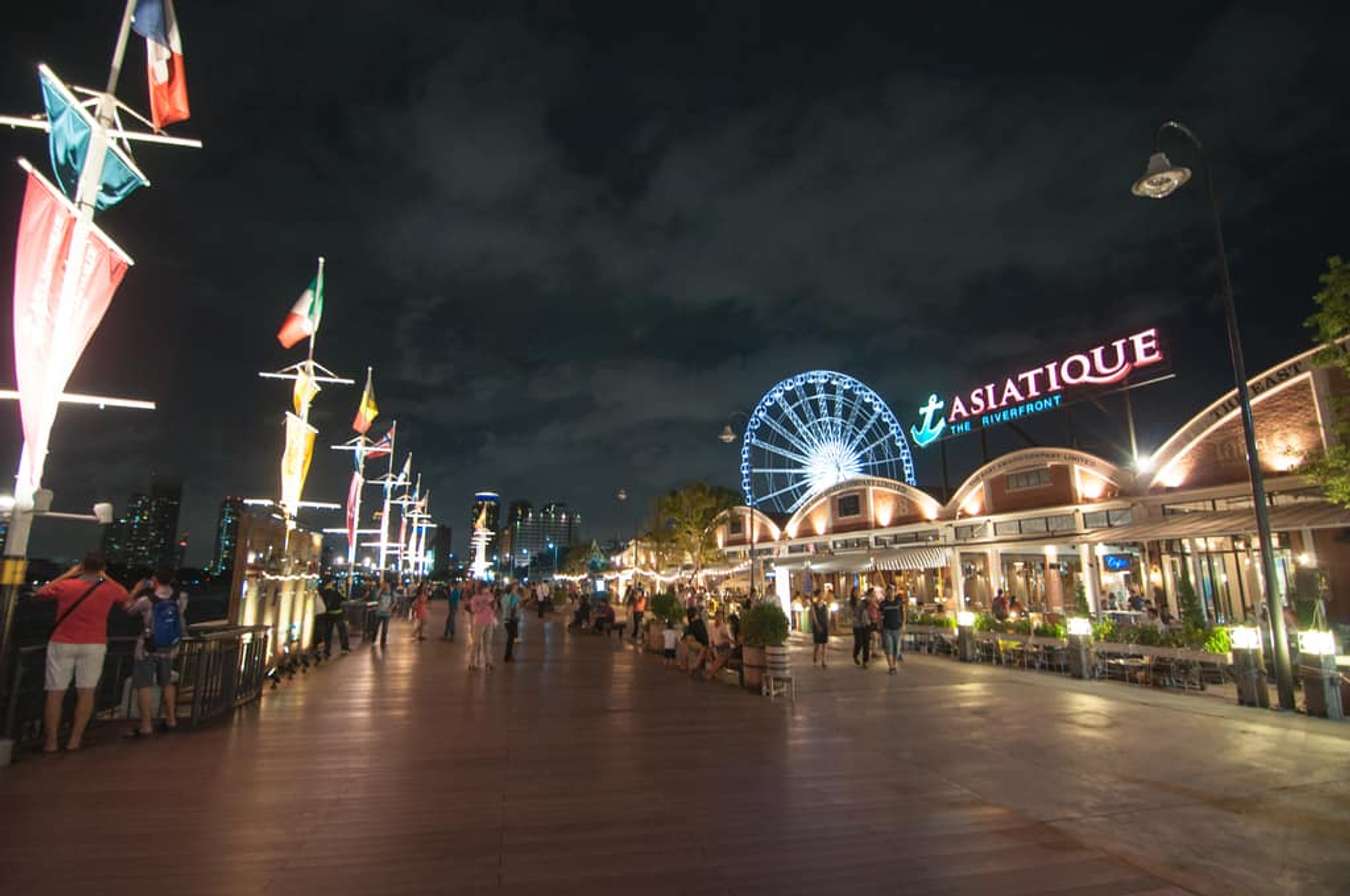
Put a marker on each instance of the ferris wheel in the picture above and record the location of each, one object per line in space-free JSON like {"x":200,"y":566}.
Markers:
{"x":814,"y":430}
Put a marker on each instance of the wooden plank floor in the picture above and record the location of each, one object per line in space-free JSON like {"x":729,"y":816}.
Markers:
{"x":586,"y":767}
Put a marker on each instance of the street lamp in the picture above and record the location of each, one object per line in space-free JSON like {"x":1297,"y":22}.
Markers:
{"x":728,"y":437}
{"x":1160,"y":180}
{"x":622,"y":496}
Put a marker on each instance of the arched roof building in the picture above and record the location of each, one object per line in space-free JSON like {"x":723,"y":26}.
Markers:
{"x":1047,"y":523}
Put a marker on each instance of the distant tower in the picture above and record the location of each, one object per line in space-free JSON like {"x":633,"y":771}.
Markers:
{"x":487,"y":506}
{"x":227,"y":535}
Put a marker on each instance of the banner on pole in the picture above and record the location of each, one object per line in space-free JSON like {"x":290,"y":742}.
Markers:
{"x":353,"y":507}
{"x":295,"y":463}
{"x":65,"y":275}
{"x":306,"y":387}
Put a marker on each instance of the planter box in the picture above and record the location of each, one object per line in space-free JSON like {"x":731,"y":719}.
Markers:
{"x":752,"y":667}
{"x":1170,"y":653}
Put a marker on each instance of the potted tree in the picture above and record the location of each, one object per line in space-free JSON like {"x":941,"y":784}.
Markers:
{"x":764,"y":628}
{"x":664,"y":608}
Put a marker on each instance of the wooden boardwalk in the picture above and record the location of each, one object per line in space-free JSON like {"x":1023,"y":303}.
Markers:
{"x":587,"y":768}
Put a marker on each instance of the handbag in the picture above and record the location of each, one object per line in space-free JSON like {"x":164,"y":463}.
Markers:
{"x":73,"y":607}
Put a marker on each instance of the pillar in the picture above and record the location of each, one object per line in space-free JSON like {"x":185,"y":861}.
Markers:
{"x":958,"y":580}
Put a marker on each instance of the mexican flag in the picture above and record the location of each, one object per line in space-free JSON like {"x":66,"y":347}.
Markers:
{"x":303,"y":321}
{"x":368,"y":410}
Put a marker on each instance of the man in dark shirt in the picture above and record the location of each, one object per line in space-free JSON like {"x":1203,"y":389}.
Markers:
{"x":333,"y":617}
{"x":698,"y":631}
{"x":892,"y":622}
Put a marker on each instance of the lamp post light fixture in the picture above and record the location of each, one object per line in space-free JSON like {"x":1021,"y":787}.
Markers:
{"x":728,"y":437}
{"x":1161,"y":179}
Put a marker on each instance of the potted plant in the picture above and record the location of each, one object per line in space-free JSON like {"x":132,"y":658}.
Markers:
{"x":764,"y":627}
{"x":664,"y":608}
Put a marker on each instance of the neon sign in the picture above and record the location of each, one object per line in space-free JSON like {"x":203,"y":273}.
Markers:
{"x":1036,"y":390}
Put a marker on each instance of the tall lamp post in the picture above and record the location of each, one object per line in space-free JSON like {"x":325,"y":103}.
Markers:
{"x":1160,"y":180}
{"x":622,"y":497}
{"x":728,"y":437}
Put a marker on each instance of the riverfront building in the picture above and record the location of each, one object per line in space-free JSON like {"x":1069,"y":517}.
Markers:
{"x":1044,"y":522}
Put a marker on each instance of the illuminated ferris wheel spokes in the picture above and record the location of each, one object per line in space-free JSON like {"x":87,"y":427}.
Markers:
{"x":814,"y":430}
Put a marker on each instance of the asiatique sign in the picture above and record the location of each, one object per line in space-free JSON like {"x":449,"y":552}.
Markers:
{"x":1044,"y":388}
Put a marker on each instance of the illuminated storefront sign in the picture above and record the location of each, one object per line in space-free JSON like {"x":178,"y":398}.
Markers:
{"x":1033,"y":391}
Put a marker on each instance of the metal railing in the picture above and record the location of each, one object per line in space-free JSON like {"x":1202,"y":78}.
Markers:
{"x":215,"y":671}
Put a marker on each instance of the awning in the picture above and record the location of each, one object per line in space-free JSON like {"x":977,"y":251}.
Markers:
{"x":1209,"y":524}
{"x":890,"y":560}
{"x":911,"y":558}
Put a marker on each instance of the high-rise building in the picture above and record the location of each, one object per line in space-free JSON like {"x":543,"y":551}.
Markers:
{"x":146,"y":534}
{"x":487,"y":507}
{"x":442,"y":551}
{"x":227,"y":535}
{"x":530,"y":533}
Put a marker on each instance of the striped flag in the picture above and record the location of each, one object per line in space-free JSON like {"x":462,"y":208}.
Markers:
{"x":303,"y":320}
{"x":384,"y":446}
{"x":155,"y":21}
{"x":367,"y":411}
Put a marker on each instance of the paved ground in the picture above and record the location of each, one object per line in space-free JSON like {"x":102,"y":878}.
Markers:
{"x":586,"y":767}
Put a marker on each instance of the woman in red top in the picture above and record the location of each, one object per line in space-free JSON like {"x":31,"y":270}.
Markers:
{"x":419,"y":611}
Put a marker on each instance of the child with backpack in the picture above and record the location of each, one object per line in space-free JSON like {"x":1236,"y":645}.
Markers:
{"x":163,"y":608}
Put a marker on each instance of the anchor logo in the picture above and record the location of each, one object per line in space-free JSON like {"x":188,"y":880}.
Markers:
{"x":930,"y":431}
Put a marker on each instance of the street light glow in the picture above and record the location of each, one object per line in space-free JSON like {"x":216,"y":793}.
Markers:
{"x":1161,"y":179}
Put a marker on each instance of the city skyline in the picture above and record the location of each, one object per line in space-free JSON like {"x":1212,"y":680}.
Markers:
{"x":849,"y":221}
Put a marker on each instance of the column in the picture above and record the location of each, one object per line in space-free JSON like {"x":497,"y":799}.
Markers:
{"x":958,"y":580}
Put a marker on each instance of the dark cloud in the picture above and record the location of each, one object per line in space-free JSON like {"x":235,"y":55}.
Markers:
{"x":572,"y":240}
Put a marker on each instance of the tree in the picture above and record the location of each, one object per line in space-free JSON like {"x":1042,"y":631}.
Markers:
{"x":1192,"y":613}
{"x":686,"y":515}
{"x":1330,"y":324}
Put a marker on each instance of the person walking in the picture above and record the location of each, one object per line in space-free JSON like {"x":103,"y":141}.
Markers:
{"x":862,"y":630}
{"x":384,"y":609}
{"x":163,"y":611}
{"x":892,"y":622}
{"x":639,"y":608}
{"x":77,"y":644}
{"x":820,"y":629}
{"x":419,"y":613}
{"x":482,"y":606}
{"x":452,"y":611}
{"x":511,"y":605}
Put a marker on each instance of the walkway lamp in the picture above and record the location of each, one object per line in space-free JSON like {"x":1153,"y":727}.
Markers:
{"x":728,"y":437}
{"x":1161,"y":179}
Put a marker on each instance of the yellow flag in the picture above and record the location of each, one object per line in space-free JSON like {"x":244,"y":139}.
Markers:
{"x":295,"y":463}
{"x":305,"y":390}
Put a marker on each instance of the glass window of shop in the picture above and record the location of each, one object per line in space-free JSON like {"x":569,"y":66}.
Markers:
{"x":975,"y":576}
{"x":1042,"y":583}
{"x":1226,"y":573}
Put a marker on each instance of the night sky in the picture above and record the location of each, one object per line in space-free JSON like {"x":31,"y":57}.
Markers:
{"x":573,"y":239}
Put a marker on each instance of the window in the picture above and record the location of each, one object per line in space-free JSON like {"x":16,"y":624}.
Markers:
{"x":1122,"y":517}
{"x":1061,"y":523}
{"x":967,"y":532}
{"x":848,"y":505}
{"x":1029,"y":479}
{"x":1011,"y":527}
{"x":845,"y":544}
{"x":798,"y":548}
{"x":737,"y":525}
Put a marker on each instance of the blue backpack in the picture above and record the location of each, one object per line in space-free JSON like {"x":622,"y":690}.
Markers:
{"x":166,"y":623}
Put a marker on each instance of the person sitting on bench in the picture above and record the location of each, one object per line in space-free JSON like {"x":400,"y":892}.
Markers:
{"x":722,"y":646}
{"x":696,"y":640}
{"x":604,"y":618}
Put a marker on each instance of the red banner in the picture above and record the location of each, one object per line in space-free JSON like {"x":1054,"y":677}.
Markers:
{"x":65,"y":274}
{"x":353,"y":510}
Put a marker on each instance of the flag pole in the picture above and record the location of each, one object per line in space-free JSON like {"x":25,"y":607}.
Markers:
{"x":388,"y":485}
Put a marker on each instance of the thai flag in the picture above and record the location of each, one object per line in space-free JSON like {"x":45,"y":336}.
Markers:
{"x":155,"y":21}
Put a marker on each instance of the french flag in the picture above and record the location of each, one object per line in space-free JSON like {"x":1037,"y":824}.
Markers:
{"x":154,"y":20}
